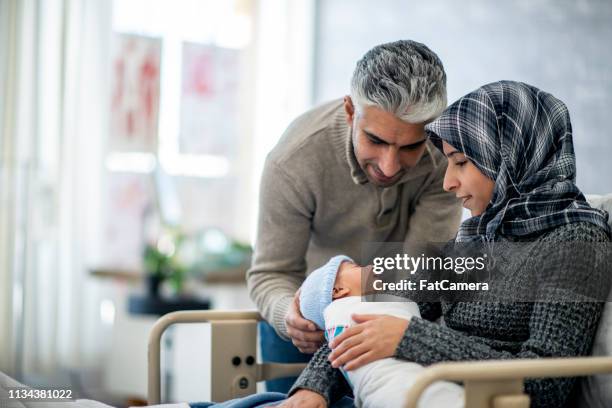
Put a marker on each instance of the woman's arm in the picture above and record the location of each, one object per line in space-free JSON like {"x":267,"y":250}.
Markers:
{"x":562,"y":321}
{"x":431,"y":311}
{"x":558,"y":330}
{"x":319,"y":376}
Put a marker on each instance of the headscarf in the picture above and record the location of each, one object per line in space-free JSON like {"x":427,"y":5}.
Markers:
{"x":520,"y":137}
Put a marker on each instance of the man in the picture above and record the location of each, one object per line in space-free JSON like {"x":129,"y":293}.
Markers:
{"x":349,"y":172}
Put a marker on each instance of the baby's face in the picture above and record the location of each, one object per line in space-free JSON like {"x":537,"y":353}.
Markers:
{"x":348,"y":281}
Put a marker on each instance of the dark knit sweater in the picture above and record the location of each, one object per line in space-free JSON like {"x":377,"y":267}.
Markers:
{"x":487,"y":330}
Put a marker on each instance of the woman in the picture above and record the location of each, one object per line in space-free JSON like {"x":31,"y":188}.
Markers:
{"x":511,"y":162}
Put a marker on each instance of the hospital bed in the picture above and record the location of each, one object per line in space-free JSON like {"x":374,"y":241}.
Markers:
{"x":487,"y":384}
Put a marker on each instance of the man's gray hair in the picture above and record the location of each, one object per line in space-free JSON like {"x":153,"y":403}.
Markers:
{"x":404,"y":78}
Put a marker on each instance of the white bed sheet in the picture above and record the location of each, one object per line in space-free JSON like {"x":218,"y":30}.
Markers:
{"x":7,"y":382}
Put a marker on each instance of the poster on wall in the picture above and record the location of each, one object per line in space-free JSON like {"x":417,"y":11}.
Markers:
{"x":210,"y":100}
{"x":135,"y":94}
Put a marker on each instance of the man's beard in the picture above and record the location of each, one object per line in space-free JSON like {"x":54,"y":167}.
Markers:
{"x":393,"y":181}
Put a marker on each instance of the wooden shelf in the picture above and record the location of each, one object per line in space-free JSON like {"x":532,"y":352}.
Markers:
{"x":131,"y":276}
{"x":229,"y":275}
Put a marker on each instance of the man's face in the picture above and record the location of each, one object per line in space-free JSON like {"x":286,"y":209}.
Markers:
{"x":385,"y":146}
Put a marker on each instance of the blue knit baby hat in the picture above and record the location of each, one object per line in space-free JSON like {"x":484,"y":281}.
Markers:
{"x":316,"y":291}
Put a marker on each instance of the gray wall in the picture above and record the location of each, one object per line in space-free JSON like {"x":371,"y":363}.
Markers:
{"x":561,"y":46}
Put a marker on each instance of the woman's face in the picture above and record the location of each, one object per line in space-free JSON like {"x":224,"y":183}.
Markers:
{"x":464,"y":179}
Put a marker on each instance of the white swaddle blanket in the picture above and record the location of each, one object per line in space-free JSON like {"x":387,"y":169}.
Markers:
{"x":384,"y":383}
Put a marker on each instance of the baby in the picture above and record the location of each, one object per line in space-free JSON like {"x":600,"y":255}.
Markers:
{"x":329,"y":298}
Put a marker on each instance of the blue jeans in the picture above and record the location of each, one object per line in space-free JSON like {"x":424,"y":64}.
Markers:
{"x":275,"y":349}
{"x":264,"y":399}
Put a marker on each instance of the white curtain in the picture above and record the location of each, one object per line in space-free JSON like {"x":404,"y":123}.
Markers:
{"x":8,"y":14}
{"x":284,"y":48}
{"x":53,"y":119}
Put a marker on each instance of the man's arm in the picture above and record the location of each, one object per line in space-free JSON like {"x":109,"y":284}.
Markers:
{"x":283,"y":234}
{"x":437,"y":213}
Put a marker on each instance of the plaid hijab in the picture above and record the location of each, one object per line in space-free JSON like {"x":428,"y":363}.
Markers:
{"x":521,"y":137}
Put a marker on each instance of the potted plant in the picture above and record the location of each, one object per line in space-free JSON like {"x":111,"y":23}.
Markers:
{"x":161,"y":264}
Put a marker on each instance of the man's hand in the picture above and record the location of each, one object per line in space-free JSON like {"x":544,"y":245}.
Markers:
{"x":373,"y":338}
{"x":304,"y":399}
{"x":304,"y":334}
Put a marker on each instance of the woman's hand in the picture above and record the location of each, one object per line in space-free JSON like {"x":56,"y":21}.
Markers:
{"x":374,"y":337}
{"x":304,"y":398}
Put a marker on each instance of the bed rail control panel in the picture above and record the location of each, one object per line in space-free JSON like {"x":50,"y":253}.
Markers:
{"x":233,"y":362}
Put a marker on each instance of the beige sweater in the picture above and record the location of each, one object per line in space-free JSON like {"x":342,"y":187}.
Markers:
{"x":316,"y":202}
